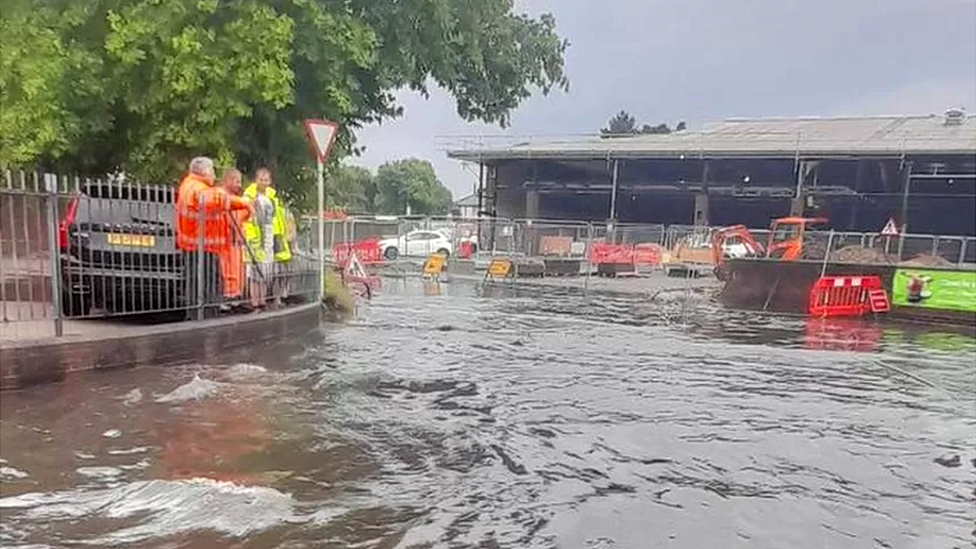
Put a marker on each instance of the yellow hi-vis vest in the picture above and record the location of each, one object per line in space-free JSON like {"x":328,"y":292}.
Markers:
{"x":252,"y":233}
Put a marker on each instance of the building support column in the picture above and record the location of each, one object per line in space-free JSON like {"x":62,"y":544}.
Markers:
{"x":858,"y":185}
{"x":701,"y":209}
{"x":531,"y":204}
{"x":613,"y":192}
{"x":906,"y":189}
{"x":481,"y":199}
{"x":798,"y":204}
{"x":701,"y":198}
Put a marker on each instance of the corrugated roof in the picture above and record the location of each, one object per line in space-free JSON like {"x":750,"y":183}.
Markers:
{"x":470,"y":200}
{"x":773,"y":137}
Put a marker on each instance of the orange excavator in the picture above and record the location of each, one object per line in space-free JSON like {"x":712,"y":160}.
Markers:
{"x":787,"y":242}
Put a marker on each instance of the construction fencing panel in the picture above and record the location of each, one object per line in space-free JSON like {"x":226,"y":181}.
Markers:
{"x":28,"y":221}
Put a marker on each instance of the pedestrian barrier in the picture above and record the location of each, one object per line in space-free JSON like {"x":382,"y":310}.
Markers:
{"x":368,"y":252}
{"x":648,"y":254}
{"x":73,"y":248}
{"x":847,"y":296}
{"x":605,"y":253}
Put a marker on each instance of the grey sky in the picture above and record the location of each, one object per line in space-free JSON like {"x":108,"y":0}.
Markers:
{"x":706,"y":60}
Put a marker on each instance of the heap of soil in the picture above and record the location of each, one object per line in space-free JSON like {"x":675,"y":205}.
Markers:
{"x":927,"y":260}
{"x":857,"y":254}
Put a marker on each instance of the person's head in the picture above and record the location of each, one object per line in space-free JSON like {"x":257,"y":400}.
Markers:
{"x":231,"y":180}
{"x":262,"y":178}
{"x":203,"y":167}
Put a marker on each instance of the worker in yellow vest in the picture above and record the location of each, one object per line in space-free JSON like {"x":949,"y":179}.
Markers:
{"x":275,"y":251}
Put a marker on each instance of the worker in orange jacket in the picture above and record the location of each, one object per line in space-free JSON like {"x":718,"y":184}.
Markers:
{"x":225,"y":199}
{"x":201,"y":234}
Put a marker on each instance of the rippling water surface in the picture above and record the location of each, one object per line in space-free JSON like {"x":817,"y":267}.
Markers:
{"x":467,"y":417}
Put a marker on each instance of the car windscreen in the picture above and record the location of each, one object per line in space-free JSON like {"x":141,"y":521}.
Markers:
{"x":125,"y":204}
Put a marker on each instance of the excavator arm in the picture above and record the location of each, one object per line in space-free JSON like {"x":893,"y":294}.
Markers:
{"x":720,"y":236}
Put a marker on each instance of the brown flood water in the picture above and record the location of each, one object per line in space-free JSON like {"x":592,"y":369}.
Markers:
{"x":528,"y":417}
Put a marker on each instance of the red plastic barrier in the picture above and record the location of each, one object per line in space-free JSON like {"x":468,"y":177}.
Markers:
{"x":647,"y":254}
{"x":601,"y":252}
{"x":842,"y":295}
{"x":465,"y":249}
{"x":367,"y":250}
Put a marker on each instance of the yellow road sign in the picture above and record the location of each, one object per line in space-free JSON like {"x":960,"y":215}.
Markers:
{"x":434,"y":265}
{"x":500,"y":268}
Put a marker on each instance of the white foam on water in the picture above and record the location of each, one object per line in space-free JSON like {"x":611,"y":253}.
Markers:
{"x":244,"y":371}
{"x":112,"y":433}
{"x":132,"y":397}
{"x":196,"y":389}
{"x":128,"y":451}
{"x":100,"y":473}
{"x":12,"y":473}
{"x":163,"y":508}
{"x":142,"y":464}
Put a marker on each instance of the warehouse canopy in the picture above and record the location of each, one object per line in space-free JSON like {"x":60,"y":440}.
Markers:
{"x":763,"y":137}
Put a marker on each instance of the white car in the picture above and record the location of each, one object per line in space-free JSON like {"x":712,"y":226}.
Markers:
{"x":418,"y":243}
{"x":734,"y":248}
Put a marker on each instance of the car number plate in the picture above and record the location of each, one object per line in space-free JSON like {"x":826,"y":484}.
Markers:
{"x":139,"y":240}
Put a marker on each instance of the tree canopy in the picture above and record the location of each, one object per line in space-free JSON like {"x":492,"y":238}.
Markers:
{"x":623,"y":123}
{"x":143,"y":85}
{"x":410,"y":182}
{"x":395,"y":185}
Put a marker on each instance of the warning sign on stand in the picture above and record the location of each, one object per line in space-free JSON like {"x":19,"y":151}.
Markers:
{"x":890,"y":229}
{"x":434,"y":265}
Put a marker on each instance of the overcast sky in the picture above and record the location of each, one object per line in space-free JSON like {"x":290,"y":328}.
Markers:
{"x":707,"y":60}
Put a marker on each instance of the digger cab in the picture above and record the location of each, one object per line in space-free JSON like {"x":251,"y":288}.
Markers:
{"x":786,"y":240}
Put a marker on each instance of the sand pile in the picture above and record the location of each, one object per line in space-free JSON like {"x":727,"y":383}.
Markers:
{"x":927,"y":260}
{"x":857,"y":254}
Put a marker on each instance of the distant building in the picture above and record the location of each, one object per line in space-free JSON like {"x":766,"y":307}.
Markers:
{"x":467,"y":207}
{"x":857,"y":171}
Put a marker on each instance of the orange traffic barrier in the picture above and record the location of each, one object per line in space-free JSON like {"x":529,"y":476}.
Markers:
{"x":847,"y":296}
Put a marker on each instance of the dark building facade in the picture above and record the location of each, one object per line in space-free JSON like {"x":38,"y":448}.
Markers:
{"x":858,"y":172}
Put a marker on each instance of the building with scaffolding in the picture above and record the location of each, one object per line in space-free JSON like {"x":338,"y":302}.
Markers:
{"x":859,"y":172}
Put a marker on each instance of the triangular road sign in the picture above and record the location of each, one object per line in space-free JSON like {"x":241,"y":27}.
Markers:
{"x":890,"y":229}
{"x":355,"y":269}
{"x":321,"y":134}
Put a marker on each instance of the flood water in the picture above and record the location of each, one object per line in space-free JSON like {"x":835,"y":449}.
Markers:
{"x":536,"y":417}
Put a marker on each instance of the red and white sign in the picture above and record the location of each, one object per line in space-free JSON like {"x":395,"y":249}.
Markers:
{"x":890,"y":229}
{"x":321,"y":134}
{"x":367,"y":251}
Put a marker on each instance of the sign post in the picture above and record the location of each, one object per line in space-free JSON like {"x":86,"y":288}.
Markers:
{"x":320,"y":186}
{"x":321,"y":135}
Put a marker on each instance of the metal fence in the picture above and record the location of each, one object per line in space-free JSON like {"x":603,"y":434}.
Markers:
{"x":402,"y":244}
{"x":73,"y":248}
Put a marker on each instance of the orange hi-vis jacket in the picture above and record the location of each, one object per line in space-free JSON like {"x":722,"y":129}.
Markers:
{"x":200,"y":205}
{"x":229,"y":214}
{"x":190,"y":200}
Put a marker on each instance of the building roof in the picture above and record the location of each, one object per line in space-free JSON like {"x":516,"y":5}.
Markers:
{"x":468,"y":201}
{"x":763,"y":137}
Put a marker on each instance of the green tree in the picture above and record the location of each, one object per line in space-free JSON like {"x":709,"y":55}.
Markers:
{"x":351,"y":188}
{"x":143,"y":85}
{"x":660,"y":129}
{"x":621,"y":124}
{"x":412,"y":182}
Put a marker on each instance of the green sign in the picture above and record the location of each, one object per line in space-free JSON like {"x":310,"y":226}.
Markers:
{"x":930,"y":289}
